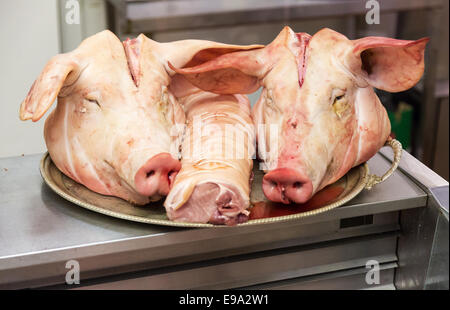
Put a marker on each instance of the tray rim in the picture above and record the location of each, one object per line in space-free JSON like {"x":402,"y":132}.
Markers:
{"x":46,"y":160}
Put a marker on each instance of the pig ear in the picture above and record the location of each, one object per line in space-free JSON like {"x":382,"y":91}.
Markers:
{"x":60,"y":70}
{"x":234,"y":69}
{"x":232,"y":73}
{"x":391,"y":65}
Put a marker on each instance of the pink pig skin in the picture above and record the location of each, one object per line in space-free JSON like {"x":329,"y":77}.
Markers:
{"x":213,"y":185}
{"x":317,"y":90}
{"x":113,"y":129}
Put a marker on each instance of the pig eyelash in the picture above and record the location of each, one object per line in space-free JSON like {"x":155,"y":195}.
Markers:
{"x":93,"y":101}
{"x":337,"y":94}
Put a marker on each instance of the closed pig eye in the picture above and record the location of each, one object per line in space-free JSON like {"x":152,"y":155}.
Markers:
{"x":93,"y":100}
{"x":340,"y":105}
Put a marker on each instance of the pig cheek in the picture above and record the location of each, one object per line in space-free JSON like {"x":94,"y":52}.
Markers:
{"x":93,"y":144}
{"x":316,"y":160}
{"x":344,"y":153}
{"x":95,"y":179}
{"x":317,"y":152}
{"x":55,"y":141}
{"x":89,"y":161}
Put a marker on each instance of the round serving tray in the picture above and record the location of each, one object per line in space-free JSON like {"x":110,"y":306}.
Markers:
{"x":262,"y":211}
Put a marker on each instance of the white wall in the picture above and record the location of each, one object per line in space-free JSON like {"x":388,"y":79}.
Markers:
{"x":29,"y":37}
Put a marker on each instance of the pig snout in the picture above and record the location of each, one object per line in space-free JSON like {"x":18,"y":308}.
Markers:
{"x":156,"y":176}
{"x":287,"y":185}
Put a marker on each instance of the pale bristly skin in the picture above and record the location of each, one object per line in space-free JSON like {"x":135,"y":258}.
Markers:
{"x":317,"y":90}
{"x":116,"y":128}
{"x":213,"y":184}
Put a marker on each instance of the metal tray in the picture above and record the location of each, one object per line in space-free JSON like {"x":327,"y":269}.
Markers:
{"x":262,"y":211}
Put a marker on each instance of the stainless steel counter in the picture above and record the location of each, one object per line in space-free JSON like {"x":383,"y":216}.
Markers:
{"x":40,"y":232}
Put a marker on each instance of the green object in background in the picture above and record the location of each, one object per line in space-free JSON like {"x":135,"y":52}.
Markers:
{"x":401,"y":122}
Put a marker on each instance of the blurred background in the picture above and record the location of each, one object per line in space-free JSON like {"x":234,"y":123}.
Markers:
{"x":33,"y":31}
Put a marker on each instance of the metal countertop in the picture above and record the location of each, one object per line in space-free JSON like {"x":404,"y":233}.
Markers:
{"x":38,"y":228}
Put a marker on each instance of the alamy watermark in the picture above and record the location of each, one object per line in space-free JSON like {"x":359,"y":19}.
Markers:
{"x":373,"y":15}
{"x":373,"y":275}
{"x":72,"y":12}
{"x":73,"y":275}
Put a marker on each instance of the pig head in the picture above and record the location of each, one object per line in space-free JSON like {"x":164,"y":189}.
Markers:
{"x":116,"y":128}
{"x":318,"y":115}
